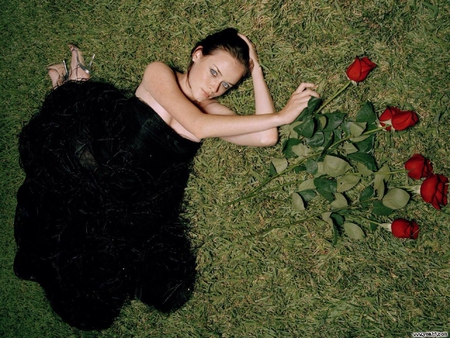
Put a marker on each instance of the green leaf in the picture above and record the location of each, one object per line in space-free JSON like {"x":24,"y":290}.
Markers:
{"x":334,"y":120}
{"x":335,"y":166}
{"x":349,"y":148}
{"x":338,"y":219}
{"x":353,"y":231}
{"x":357,"y":128}
{"x":300,"y":150}
{"x":300,"y":168}
{"x":396,"y":198}
{"x":384,"y":172}
{"x":325,"y":187}
{"x":379,"y":186}
{"x":366,"y":146}
{"x":346,"y":182}
{"x":380,"y":209}
{"x":287,"y":147}
{"x":381,"y":177}
{"x":307,"y":195}
{"x":321,"y":121}
{"x":311,"y":166}
{"x":363,"y":170}
{"x":339,"y":201}
{"x":307,"y":185}
{"x":373,"y":226}
{"x":279,"y":164}
{"x":297,"y":202}
{"x":317,"y":140}
{"x":326,"y":216}
{"x":320,"y":171}
{"x":366,"y":159}
{"x":313,"y":104}
{"x":328,"y":137}
{"x":306,"y":129}
{"x":366,"y":194}
{"x":367,"y":113}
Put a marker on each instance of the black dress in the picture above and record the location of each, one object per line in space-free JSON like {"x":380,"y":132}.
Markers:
{"x":98,"y":216}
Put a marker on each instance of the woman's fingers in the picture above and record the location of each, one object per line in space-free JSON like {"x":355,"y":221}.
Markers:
{"x":305,"y":85}
{"x":306,"y":94}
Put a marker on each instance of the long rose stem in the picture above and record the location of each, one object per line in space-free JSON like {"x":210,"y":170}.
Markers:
{"x":334,"y":96}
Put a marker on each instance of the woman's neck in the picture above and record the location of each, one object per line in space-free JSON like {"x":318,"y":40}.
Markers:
{"x":185,"y":86}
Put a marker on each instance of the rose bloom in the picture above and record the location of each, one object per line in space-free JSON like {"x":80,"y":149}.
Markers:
{"x":434,"y":190}
{"x":404,"y":119}
{"x":359,"y":69}
{"x":403,"y":228}
{"x":398,"y":119}
{"x":418,"y":167}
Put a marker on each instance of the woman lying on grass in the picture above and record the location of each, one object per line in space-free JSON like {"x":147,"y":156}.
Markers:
{"x":98,"y":219}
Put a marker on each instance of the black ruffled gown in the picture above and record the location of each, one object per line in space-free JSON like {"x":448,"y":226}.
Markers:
{"x":98,"y":216}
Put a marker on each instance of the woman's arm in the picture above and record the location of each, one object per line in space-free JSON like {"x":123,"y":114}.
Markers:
{"x":161,"y":83}
{"x":263,"y":105}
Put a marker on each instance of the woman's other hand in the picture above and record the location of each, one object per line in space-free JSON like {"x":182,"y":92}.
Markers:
{"x":254,"y":62}
{"x":298,"y":102}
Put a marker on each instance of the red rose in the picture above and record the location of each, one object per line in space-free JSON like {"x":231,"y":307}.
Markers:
{"x":398,"y":119}
{"x":403,"y":228}
{"x":388,"y":114}
{"x":404,"y":119}
{"x":359,"y":69}
{"x":418,"y":167}
{"x":434,"y":190}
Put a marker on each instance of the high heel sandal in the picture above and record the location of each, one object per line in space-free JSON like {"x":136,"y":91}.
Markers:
{"x":61,"y":70}
{"x":80,"y":60}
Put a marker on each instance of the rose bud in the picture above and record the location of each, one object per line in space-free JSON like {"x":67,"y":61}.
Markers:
{"x":434,"y":190}
{"x":418,"y":167}
{"x":359,"y":69}
{"x":404,"y":119}
{"x":403,"y":228}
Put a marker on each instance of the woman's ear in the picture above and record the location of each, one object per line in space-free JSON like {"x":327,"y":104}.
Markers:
{"x":197,"y":54}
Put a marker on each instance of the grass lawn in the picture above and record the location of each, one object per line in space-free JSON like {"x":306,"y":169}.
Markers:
{"x":262,"y":270}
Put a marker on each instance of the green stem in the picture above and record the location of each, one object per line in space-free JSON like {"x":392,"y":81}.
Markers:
{"x":365,"y":219}
{"x":334,"y":96}
{"x":271,"y":178}
{"x":350,"y":136}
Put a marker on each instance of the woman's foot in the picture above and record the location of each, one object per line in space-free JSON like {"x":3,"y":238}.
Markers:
{"x":78,"y":71}
{"x":58,"y":74}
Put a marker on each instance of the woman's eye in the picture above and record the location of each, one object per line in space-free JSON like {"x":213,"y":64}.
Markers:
{"x":226,"y":85}
{"x":213,"y":72}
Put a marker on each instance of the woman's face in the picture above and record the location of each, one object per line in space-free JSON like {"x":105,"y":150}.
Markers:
{"x":212,"y":75}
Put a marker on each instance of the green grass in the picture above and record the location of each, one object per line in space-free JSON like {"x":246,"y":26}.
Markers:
{"x":289,"y":282}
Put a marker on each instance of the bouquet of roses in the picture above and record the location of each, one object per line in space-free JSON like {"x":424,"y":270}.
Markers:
{"x":337,"y":153}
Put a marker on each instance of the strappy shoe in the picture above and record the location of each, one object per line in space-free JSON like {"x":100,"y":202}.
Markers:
{"x":61,"y":72}
{"x":79,"y":63}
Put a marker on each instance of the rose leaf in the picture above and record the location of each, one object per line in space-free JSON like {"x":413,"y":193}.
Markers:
{"x":297,"y":202}
{"x":353,"y":231}
{"x":366,"y":159}
{"x":396,"y":198}
{"x":335,"y":166}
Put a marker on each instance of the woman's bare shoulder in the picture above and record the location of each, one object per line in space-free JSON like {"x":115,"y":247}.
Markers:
{"x":158,"y":77}
{"x":159,"y":68}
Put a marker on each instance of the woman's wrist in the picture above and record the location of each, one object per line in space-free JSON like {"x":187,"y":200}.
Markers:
{"x":256,"y":67}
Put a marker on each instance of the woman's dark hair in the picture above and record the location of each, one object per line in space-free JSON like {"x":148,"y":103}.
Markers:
{"x":229,"y":41}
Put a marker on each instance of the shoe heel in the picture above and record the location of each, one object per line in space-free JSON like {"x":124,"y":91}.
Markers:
{"x":80,"y":59}
{"x":87,"y":68}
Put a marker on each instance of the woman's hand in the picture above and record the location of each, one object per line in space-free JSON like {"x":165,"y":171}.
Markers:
{"x":298,"y":102}
{"x":254,"y":62}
